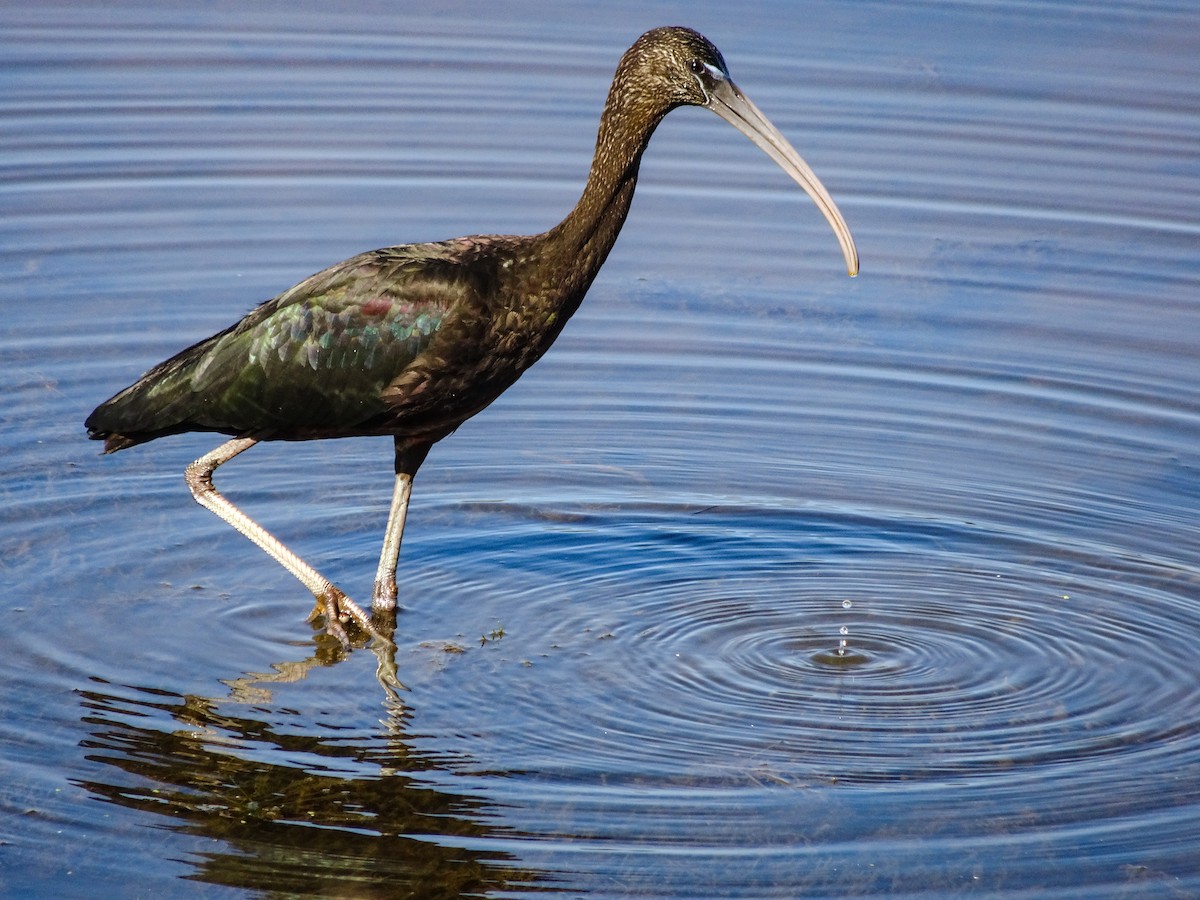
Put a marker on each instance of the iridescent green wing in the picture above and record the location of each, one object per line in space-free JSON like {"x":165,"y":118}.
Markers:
{"x":316,"y":358}
{"x":310,"y":362}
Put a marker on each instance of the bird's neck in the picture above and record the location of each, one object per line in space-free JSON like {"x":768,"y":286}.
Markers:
{"x":581,"y":242}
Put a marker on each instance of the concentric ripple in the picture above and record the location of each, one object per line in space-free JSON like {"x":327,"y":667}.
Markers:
{"x":959,"y":660}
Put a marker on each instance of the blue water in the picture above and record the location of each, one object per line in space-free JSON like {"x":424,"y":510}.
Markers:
{"x":765,"y":582}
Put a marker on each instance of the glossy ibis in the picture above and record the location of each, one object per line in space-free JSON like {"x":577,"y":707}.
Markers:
{"x":412,"y":341}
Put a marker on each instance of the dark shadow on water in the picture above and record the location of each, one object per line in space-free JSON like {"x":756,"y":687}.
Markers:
{"x":286,"y":826}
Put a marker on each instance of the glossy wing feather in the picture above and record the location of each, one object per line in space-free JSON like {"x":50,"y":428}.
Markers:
{"x":311,"y":362}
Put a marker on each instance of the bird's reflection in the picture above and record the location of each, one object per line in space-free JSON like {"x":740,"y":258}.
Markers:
{"x":343,"y":813}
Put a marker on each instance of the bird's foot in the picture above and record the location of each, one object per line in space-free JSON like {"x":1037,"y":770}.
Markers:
{"x":385,"y":594}
{"x":337,"y":609}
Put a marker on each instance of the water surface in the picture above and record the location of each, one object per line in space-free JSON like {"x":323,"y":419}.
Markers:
{"x":626,"y":585}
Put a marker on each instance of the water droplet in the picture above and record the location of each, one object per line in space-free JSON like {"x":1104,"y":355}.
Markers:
{"x":841,"y":656}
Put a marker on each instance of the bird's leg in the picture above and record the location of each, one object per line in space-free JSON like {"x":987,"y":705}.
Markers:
{"x":408,"y":460}
{"x":385,"y":575}
{"x":332,"y":602}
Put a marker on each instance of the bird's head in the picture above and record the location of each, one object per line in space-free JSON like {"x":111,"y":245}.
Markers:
{"x":674,"y":66}
{"x":677,"y":66}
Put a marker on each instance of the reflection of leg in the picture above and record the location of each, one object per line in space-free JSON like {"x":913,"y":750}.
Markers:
{"x":330,"y":601}
{"x":385,"y":654}
{"x":385,"y":576}
{"x":254,"y":687}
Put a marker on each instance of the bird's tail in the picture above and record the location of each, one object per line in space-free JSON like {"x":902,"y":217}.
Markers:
{"x":161,"y":402}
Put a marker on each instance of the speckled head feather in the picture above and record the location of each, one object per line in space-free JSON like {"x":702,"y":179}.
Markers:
{"x":660,"y":71}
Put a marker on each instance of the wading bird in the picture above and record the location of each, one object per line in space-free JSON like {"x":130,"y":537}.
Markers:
{"x":411,"y":341}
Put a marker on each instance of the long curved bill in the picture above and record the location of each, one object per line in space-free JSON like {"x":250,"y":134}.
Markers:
{"x":734,"y":107}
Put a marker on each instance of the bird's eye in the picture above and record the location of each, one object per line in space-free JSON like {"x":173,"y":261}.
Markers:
{"x":697,"y":67}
